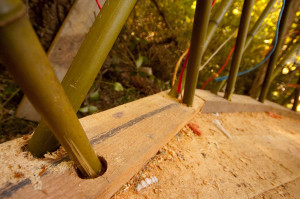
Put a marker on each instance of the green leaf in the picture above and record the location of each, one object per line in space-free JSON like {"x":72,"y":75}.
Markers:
{"x":95,"y":96}
{"x":84,"y":109}
{"x":118,"y":86}
{"x":139,"y":61}
{"x":92,"y":109}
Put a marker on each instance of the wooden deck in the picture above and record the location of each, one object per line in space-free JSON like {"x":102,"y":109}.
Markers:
{"x":127,"y":137}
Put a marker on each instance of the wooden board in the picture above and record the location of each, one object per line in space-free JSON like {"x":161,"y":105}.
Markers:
{"x":240,"y":103}
{"x":65,"y":46}
{"x":126,"y":136}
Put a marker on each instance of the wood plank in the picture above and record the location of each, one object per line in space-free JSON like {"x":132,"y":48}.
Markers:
{"x":65,"y":46}
{"x":241,"y":103}
{"x":126,"y":136}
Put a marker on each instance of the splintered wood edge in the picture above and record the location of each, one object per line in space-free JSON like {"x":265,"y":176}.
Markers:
{"x":126,"y":136}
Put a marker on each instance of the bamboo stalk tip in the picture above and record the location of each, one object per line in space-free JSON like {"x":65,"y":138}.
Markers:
{"x":11,"y":10}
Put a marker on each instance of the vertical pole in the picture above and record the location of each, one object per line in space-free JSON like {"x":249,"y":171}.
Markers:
{"x":239,"y":47}
{"x":296,"y":99}
{"x":215,"y":20}
{"x":22,"y":53}
{"x":273,"y":59}
{"x":258,"y":23}
{"x":219,"y":86}
{"x":290,"y":52}
{"x":201,"y":19}
{"x":86,"y":65}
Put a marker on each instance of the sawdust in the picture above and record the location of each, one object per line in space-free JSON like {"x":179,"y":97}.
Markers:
{"x":17,"y":165}
{"x":264,"y":154}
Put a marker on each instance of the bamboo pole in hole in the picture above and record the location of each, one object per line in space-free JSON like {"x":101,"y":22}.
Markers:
{"x":201,"y":19}
{"x":22,"y":53}
{"x":239,"y":47}
{"x":296,"y":98}
{"x":86,"y":65}
{"x":274,"y":57}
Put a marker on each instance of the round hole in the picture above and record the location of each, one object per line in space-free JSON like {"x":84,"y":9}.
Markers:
{"x":103,"y":169}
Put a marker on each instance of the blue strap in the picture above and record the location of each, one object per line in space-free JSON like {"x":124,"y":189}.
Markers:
{"x":268,"y":55}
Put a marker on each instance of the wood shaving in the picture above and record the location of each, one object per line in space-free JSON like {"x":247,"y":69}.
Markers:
{"x":17,"y":165}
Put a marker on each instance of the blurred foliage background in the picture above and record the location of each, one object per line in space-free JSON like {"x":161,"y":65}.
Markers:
{"x":144,"y":56}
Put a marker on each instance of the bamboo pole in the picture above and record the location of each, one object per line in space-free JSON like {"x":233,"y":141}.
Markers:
{"x":212,"y":27}
{"x":201,"y":19}
{"x":22,"y":53}
{"x":296,"y":98}
{"x":273,"y":59}
{"x":86,"y":65}
{"x":215,"y":21}
{"x":249,"y":38}
{"x":218,"y":86}
{"x":290,"y":52}
{"x":258,"y":23}
{"x":238,"y":52}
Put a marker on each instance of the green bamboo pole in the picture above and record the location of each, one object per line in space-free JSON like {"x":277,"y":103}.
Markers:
{"x":22,"y":53}
{"x":212,"y":27}
{"x":273,"y":59}
{"x":86,"y":65}
{"x":258,"y":23}
{"x":285,"y":58}
{"x":238,"y":52}
{"x":296,"y":98}
{"x":201,"y":19}
{"x":218,"y":86}
{"x":215,"y":20}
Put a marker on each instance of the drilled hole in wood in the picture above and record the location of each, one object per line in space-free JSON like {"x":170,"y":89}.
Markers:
{"x":103,"y":170}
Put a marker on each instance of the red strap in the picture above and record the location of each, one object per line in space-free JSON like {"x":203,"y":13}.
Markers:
{"x":98,"y":3}
{"x":181,"y":73}
{"x":293,"y":85}
{"x":213,"y":3}
{"x":224,"y":65}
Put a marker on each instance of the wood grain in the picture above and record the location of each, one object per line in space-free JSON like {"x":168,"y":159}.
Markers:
{"x":126,"y":136}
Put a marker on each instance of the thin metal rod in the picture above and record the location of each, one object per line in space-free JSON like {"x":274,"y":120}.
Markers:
{"x":273,"y":59}
{"x":86,"y":65}
{"x":238,"y":52}
{"x":22,"y":53}
{"x":201,"y":19}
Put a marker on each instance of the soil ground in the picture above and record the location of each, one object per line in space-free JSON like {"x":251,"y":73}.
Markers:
{"x":261,"y":161}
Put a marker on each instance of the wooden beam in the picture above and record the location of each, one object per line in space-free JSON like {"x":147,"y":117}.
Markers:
{"x":65,"y":46}
{"x":127,"y":137}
